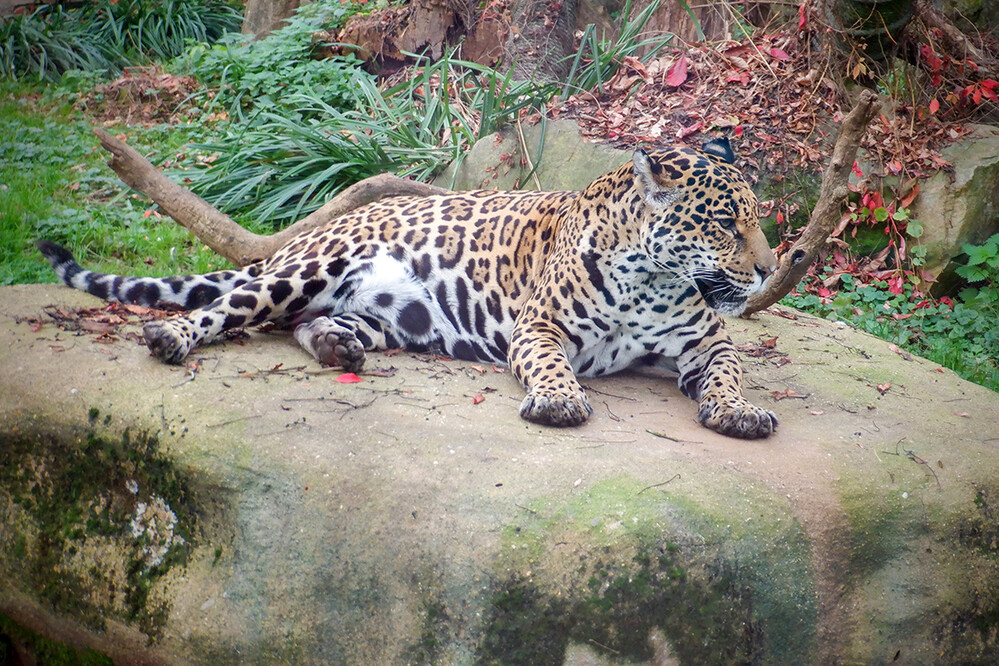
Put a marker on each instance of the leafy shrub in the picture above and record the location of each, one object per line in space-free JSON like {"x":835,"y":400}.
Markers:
{"x":49,"y":41}
{"x":328,"y":125}
{"x":259,"y":75}
{"x":161,"y":29}
{"x":106,"y":35}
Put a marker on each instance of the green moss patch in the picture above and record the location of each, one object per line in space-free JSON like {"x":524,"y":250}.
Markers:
{"x":96,"y":519}
{"x":622,"y":561}
{"x":44,"y":651}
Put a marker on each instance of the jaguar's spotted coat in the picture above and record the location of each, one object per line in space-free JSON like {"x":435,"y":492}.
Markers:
{"x":631,"y":272}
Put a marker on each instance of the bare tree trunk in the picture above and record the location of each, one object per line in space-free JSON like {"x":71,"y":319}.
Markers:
{"x":263,"y":16}
{"x":541,"y":39}
{"x":828,"y":209}
{"x":217,"y":230}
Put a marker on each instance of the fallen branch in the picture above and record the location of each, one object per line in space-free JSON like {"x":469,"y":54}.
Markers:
{"x":827,"y":210}
{"x":219,"y":231}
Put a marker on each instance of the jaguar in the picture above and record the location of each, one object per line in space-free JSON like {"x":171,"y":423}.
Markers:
{"x":634,"y":272}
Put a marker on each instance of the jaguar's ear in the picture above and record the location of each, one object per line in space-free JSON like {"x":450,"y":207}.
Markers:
{"x":656,"y":188}
{"x":720,"y":148}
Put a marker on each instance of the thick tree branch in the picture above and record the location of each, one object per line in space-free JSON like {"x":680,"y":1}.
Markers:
{"x":216,"y":229}
{"x":828,"y":209}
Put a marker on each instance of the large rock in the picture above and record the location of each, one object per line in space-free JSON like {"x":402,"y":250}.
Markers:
{"x":961,"y":206}
{"x":249,"y":508}
{"x":507,"y":159}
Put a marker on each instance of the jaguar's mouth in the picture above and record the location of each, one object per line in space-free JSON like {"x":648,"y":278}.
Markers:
{"x":721,"y":294}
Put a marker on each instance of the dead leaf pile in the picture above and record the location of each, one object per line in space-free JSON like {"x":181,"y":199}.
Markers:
{"x":105,"y":320}
{"x":772,"y":94}
{"x":141,"y":95}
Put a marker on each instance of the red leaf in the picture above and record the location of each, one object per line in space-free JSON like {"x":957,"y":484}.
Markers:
{"x":738,"y":77}
{"x":477,"y":398}
{"x":856,"y":171}
{"x":932,"y":59}
{"x":802,"y":20}
{"x":911,"y":195}
{"x":677,"y":74}
{"x":779,"y":54}
{"x":687,"y":131}
{"x":738,"y":132}
{"x":348,"y":378}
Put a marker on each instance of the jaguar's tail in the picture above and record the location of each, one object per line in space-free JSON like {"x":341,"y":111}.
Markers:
{"x":186,"y":292}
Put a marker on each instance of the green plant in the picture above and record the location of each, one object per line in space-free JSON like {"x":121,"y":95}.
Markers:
{"x":107,"y":35}
{"x":597,"y":60}
{"x":47,"y":42}
{"x":283,"y":165}
{"x":959,"y":333}
{"x":249,"y":76}
{"x":160,"y":29}
{"x":982,"y":265}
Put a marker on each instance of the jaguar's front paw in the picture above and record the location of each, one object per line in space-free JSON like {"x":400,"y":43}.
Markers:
{"x":555,"y":409}
{"x":166,"y":342}
{"x":736,"y":417}
{"x":331,"y":344}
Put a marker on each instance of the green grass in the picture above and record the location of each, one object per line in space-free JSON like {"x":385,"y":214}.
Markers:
{"x":54,"y":184}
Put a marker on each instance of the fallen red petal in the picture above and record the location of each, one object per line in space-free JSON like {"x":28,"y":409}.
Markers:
{"x":349,"y":378}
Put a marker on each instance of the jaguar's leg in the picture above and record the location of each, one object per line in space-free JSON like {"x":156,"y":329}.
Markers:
{"x":711,"y":374}
{"x":539,"y":361}
{"x":342,"y":339}
{"x":172,"y":340}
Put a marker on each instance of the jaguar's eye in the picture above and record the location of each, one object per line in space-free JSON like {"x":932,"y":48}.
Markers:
{"x":727,"y":223}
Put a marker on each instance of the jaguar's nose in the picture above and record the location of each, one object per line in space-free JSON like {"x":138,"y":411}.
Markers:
{"x":765,"y":271}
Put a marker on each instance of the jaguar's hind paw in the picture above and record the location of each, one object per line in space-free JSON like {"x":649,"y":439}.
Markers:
{"x":166,"y":342}
{"x":331,"y":344}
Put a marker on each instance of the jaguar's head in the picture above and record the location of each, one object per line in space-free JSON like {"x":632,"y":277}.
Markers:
{"x":702,"y":223}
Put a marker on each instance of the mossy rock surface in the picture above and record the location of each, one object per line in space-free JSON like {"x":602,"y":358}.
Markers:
{"x":291,"y":518}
